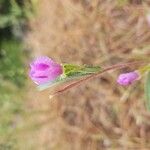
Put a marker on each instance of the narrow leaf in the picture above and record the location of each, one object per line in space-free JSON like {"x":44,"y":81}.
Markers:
{"x":75,"y":70}
{"x":71,"y":72}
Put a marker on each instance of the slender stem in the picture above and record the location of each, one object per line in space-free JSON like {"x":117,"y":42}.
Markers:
{"x":113,"y":67}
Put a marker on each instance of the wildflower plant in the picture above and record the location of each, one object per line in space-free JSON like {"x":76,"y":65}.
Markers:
{"x":47,"y":73}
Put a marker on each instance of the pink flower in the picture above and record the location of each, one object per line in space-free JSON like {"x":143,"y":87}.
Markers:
{"x":44,"y":69}
{"x":127,"y":78}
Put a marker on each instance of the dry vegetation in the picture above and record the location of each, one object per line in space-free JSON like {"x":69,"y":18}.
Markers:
{"x":99,"y":114}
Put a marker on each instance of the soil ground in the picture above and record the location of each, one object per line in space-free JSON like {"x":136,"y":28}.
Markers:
{"x":98,"y":114}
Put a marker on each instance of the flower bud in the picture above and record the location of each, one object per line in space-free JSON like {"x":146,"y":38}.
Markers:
{"x":128,"y":78}
{"x":44,"y":69}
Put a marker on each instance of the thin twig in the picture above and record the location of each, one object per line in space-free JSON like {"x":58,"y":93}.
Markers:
{"x":113,"y":67}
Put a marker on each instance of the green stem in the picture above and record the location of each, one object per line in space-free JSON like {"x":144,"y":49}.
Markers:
{"x":113,"y":67}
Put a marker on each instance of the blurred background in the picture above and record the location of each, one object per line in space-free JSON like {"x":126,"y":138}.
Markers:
{"x":97,"y":115}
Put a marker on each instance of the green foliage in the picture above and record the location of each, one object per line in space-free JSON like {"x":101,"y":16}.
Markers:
{"x":13,"y":16}
{"x":11,"y":61}
{"x":11,"y":102}
{"x":147,"y":91}
{"x":12,"y":76}
{"x":6,"y":146}
{"x":14,"y":12}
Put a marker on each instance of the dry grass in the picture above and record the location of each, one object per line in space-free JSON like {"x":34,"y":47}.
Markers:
{"x":99,"y":114}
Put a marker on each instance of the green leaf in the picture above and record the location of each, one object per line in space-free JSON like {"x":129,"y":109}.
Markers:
{"x":71,"y":72}
{"x":147,"y":91}
{"x":75,"y":70}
